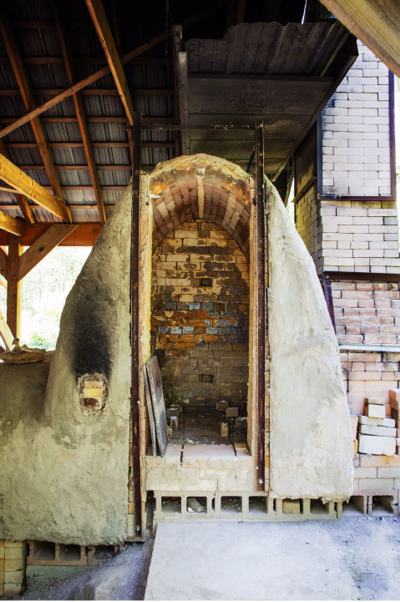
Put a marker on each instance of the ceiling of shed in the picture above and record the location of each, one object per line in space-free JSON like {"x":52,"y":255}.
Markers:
{"x":232,"y":73}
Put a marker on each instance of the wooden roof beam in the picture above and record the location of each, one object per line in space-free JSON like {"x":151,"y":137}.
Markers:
{"x":51,"y":238}
{"x":80,"y":113}
{"x":201,"y":14}
{"x":28,"y":99}
{"x":11,"y":225}
{"x":21,"y":200}
{"x":102,"y":26}
{"x":375,"y":22}
{"x":25,"y":185}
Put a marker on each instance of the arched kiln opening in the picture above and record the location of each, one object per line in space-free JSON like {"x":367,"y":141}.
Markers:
{"x":201,"y":298}
{"x":200,"y":330}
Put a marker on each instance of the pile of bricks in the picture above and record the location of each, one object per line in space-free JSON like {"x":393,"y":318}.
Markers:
{"x":377,"y":434}
{"x":12,"y":567}
{"x":394,"y":397}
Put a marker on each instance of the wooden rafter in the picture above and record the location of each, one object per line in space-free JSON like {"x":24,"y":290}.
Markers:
{"x":12,"y":225}
{"x":102,"y":26}
{"x":85,"y":235}
{"x":42,"y":247}
{"x":80,"y":113}
{"x":375,"y":22}
{"x":21,"y":200}
{"x":28,"y":99}
{"x":201,"y":14}
{"x":16,"y":178}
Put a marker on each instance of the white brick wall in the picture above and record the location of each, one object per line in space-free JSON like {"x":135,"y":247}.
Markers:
{"x":355,"y":124}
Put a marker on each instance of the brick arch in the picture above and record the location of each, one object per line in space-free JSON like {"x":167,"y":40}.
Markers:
{"x":201,"y":186}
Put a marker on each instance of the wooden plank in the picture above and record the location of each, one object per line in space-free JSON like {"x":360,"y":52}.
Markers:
{"x":80,"y":113}
{"x":21,"y":199}
{"x":89,"y":92}
{"x":13,"y":285}
{"x":5,"y":332}
{"x":181,"y":77}
{"x":12,"y":225}
{"x":16,"y":178}
{"x":28,"y":99}
{"x":238,"y":95}
{"x":42,"y":247}
{"x":3,"y":263}
{"x":374,"y":22}
{"x":100,"y":21}
{"x":85,"y":235}
{"x":261,"y":306}
{"x":201,"y":14}
{"x":135,"y":357}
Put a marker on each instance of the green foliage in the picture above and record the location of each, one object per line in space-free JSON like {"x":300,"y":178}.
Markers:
{"x":44,"y":291}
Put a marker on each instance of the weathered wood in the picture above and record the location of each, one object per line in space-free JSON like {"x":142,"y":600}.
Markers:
{"x":13,"y":285}
{"x":94,"y":144}
{"x":181,"y":77}
{"x":5,"y":332}
{"x":237,"y":95}
{"x":90,"y":92}
{"x":80,"y":113}
{"x":16,"y":178}
{"x":201,"y":14}
{"x":21,"y":200}
{"x":134,"y":265}
{"x":12,"y":225}
{"x":100,"y":21}
{"x":261,"y":307}
{"x":28,"y":99}
{"x":374,"y":22}
{"x":87,"y":60}
{"x":42,"y":247}
{"x":85,"y":235}
{"x":3,"y":263}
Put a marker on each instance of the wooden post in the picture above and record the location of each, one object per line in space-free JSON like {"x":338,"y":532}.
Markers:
{"x":137,"y":496}
{"x":13,"y":285}
{"x":260,"y":230}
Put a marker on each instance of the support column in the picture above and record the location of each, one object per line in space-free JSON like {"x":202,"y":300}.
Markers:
{"x":13,"y":285}
{"x":259,"y":159}
{"x":137,"y":498}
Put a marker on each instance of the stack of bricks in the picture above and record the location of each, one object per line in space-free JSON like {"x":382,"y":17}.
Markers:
{"x":12,"y":567}
{"x":200,"y":314}
{"x":307,"y":221}
{"x":356,"y":145}
{"x":359,"y":238}
{"x":369,"y":374}
{"x":394,"y":396}
{"x":367,"y":312}
{"x":377,"y":434}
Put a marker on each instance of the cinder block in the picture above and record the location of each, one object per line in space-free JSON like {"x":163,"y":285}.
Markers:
{"x":232,"y":412}
{"x":13,"y":553}
{"x":380,"y":446}
{"x":291,"y":506}
{"x":376,"y":411}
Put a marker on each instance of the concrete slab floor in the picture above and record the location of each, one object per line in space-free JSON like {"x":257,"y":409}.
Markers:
{"x":347,"y":559}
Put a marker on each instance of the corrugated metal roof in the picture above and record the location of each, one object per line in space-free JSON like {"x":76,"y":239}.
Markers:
{"x":267,"y":49}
